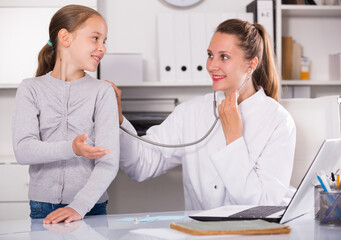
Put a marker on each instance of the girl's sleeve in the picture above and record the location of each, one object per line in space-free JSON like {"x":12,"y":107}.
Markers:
{"x":263,"y":179}
{"x":106,"y":167}
{"x":27,"y":145}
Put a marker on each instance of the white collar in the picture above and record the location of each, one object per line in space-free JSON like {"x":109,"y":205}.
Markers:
{"x":257,"y":96}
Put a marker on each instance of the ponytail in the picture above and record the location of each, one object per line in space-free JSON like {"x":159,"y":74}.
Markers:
{"x":255,"y":42}
{"x":70,"y":18}
{"x":266,"y":73}
{"x":46,"y":60}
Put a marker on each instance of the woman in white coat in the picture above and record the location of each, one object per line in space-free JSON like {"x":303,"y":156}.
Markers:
{"x":248,"y":157}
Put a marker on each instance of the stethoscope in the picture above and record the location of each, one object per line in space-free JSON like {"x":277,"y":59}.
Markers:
{"x":197,"y":141}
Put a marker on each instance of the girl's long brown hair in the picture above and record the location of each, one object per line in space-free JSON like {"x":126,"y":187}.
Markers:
{"x":69,"y":17}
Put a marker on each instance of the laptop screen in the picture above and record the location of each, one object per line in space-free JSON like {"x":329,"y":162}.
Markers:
{"x":327,"y":159}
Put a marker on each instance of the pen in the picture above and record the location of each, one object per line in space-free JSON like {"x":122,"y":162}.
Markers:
{"x":322,"y":183}
{"x":321,"y":176}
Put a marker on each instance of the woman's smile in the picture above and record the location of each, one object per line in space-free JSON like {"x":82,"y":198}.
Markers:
{"x":217,"y":78}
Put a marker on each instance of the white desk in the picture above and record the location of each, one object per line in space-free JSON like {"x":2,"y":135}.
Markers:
{"x":108,"y":227}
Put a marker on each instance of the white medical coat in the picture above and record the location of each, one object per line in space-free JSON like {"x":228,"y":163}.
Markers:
{"x":253,"y":170}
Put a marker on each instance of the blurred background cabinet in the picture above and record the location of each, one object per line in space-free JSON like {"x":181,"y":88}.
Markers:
{"x":14,"y":189}
{"x":317,"y":29}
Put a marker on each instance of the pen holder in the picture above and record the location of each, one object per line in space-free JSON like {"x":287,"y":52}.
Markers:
{"x":330,"y":208}
{"x":317,"y":190}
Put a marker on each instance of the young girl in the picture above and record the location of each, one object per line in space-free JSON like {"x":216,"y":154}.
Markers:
{"x":61,"y":115}
{"x":248,"y":157}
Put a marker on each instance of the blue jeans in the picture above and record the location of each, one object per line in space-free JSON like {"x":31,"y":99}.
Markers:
{"x":42,"y":209}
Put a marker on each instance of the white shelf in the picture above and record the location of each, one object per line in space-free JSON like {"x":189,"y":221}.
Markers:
{"x":191,"y":84}
{"x":310,"y":83}
{"x":311,"y":10}
{"x":9,"y":86}
{"x":8,"y":159}
{"x":166,"y":84}
{"x":139,"y":84}
{"x":306,"y":24}
{"x":205,"y":84}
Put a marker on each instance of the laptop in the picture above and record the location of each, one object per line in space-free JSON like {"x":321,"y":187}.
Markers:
{"x":327,"y":158}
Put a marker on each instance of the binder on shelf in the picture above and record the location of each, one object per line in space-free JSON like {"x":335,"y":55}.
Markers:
{"x":310,"y":2}
{"x":212,"y":22}
{"x":335,"y":66}
{"x":198,"y":47}
{"x":299,"y":2}
{"x":263,"y":13}
{"x":296,"y":60}
{"x":166,"y":47}
{"x":287,"y":46}
{"x":182,"y":48}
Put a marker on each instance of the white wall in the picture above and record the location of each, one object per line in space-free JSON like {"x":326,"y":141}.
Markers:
{"x":6,"y":108}
{"x":132,"y":25}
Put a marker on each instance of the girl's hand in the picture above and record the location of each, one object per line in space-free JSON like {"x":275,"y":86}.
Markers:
{"x":230,"y":118}
{"x":65,"y":214}
{"x":118,"y":97}
{"x":80,"y":148}
{"x":63,"y":228}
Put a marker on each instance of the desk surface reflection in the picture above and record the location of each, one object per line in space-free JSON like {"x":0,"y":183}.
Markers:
{"x":121,"y":227}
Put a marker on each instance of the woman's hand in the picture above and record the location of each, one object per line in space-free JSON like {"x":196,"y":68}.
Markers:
{"x":65,"y":214}
{"x":80,"y":148}
{"x":230,"y":118}
{"x":118,"y":97}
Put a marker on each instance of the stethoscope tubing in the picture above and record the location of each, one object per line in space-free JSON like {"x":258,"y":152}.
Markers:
{"x":191,"y":143}
{"x":184,"y":144}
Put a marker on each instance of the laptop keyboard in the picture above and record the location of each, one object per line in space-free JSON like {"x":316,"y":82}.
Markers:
{"x":258,"y":212}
